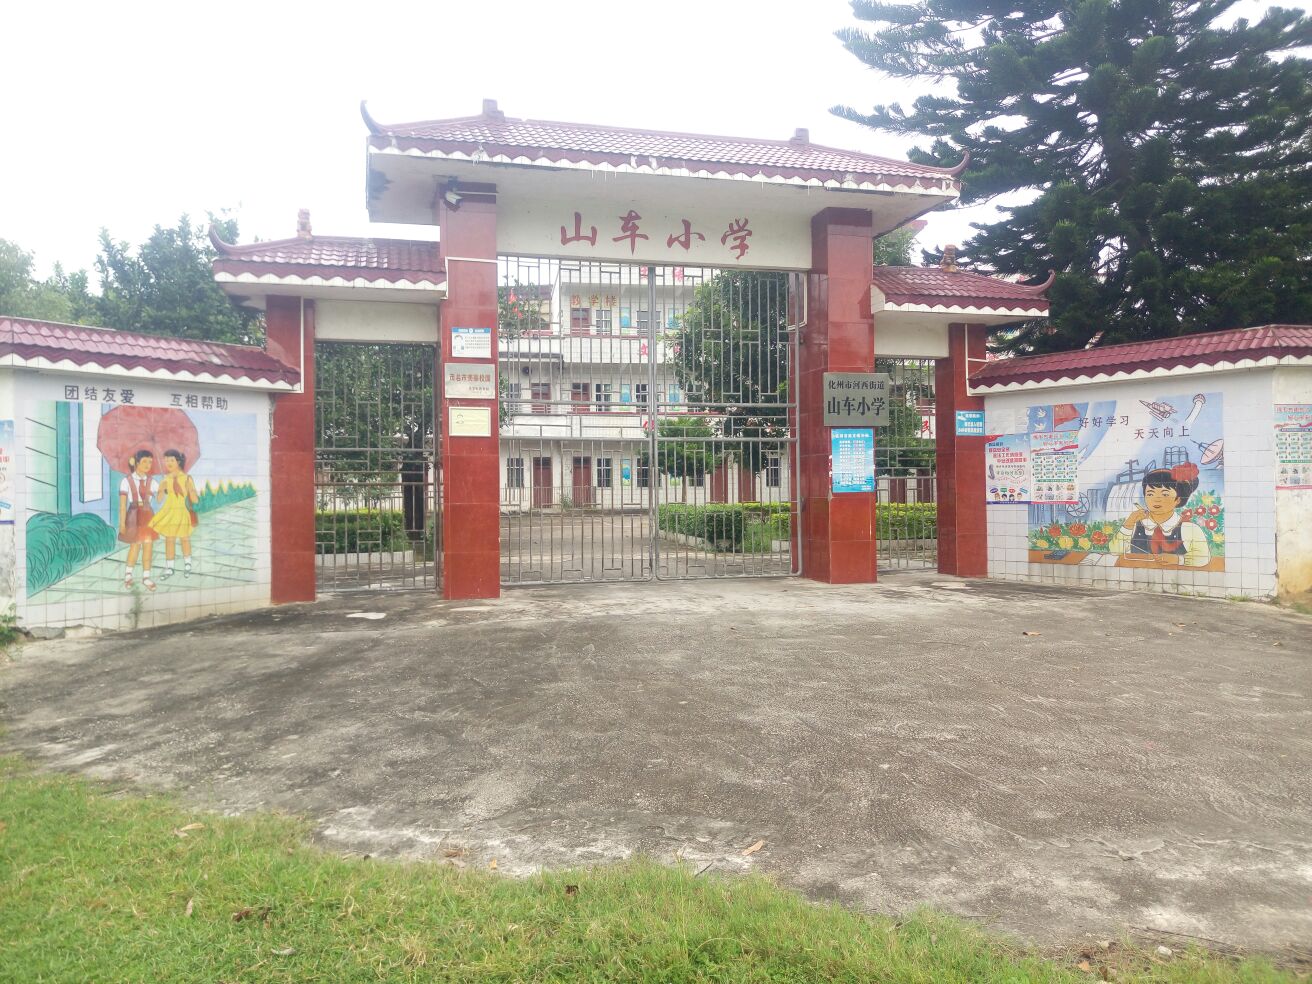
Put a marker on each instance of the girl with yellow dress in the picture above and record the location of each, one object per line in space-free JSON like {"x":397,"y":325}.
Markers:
{"x":176,"y":518}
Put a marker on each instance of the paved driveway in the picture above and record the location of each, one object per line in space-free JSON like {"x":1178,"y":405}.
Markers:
{"x":1141,"y":762}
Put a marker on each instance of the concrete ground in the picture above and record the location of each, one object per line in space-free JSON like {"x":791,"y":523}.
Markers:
{"x":1136,"y":761}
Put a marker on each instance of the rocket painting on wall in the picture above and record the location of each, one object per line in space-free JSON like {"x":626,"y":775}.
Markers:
{"x":1129,"y":483}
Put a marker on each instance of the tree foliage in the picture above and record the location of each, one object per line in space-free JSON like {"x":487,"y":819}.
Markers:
{"x":164,"y":286}
{"x":730,"y":356}
{"x":61,"y":297}
{"x":1167,"y":152}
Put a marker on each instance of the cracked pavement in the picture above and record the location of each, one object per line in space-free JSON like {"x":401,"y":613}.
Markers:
{"x":1143,"y":762}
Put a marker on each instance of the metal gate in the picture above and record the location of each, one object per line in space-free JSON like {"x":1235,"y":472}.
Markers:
{"x":376,"y":470}
{"x":648,"y":424}
{"x":906,"y":516}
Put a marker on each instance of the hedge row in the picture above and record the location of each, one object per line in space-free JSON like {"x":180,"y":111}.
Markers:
{"x":360,"y":531}
{"x":906,"y":521}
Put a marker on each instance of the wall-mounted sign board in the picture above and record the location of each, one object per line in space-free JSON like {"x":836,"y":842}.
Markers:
{"x":469,"y":421}
{"x":469,"y":382}
{"x":852,"y":459}
{"x":970,"y":423}
{"x":856,"y":399}
{"x":471,"y":343}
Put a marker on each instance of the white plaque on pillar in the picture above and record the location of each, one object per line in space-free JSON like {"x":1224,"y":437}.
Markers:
{"x":471,"y":343}
{"x":469,"y":421}
{"x":468,"y":381}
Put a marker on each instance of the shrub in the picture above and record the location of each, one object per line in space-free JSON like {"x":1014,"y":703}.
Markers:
{"x":720,"y":524}
{"x":360,"y":531}
{"x":57,"y":546}
{"x":906,"y":521}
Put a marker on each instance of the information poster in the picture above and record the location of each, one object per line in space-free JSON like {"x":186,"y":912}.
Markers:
{"x":471,"y":343}
{"x":970,"y":423}
{"x":852,"y":451}
{"x":1007,"y":479}
{"x":1055,"y":467}
{"x":1293,"y":445}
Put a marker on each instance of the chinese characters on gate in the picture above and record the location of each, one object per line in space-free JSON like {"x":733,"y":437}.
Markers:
{"x":733,"y":238}
{"x":856,"y":399}
{"x":126,"y":396}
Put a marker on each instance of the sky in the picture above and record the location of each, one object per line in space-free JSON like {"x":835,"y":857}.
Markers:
{"x":129,"y":114}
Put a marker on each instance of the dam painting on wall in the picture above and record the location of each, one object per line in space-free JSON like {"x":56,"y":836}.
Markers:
{"x":1129,"y":483}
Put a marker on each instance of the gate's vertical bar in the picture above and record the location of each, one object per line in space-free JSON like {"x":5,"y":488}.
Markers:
{"x":653,"y":425}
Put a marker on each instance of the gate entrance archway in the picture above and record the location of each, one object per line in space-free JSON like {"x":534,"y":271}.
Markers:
{"x":376,"y":470}
{"x":648,"y":421}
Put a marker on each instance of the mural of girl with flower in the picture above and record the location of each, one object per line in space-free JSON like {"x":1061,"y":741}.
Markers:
{"x":136,"y":495}
{"x":1156,"y":530}
{"x":177,"y":516}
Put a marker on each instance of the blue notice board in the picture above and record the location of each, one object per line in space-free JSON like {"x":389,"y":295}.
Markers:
{"x":852,"y":459}
{"x":970,"y":423}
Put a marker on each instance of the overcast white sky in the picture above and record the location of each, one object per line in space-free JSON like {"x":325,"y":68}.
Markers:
{"x":125,"y":115}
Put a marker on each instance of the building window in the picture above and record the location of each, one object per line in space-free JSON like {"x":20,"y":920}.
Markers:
{"x":772,"y":469}
{"x":540,"y":394}
{"x":580,"y":396}
{"x":514,"y":473}
{"x":605,"y":324}
{"x":603,"y":473}
{"x":580,"y":321}
{"x":640,"y":394}
{"x":644,"y":473}
{"x":602,"y":394}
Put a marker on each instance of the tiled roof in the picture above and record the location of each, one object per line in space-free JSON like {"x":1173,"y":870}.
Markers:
{"x":957,"y":289}
{"x":403,"y":262}
{"x":1216,"y":348}
{"x":78,"y":346}
{"x":493,"y":136}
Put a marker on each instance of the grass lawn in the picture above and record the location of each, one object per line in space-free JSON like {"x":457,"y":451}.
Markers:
{"x":103,"y":885}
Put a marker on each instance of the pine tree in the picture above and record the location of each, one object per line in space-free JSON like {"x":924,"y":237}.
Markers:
{"x":1168,"y":150}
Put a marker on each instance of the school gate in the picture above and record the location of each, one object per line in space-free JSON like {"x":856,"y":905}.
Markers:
{"x":613,"y":364}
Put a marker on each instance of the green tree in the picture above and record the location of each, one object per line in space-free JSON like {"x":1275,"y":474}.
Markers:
{"x":730,"y":354}
{"x":166,"y":286}
{"x":894,"y":248}
{"x":1168,"y":154}
{"x":685,"y":449}
{"x":62,"y":297}
{"x":519,"y":311}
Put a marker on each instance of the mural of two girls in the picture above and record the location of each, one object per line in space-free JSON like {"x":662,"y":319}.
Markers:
{"x":140,"y":524}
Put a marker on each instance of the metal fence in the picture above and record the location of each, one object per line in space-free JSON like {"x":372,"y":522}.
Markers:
{"x":647,"y":421}
{"x":377,"y":506}
{"x":906,"y":516}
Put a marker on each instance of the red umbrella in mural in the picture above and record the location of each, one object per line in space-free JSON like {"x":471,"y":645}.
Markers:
{"x":124,"y":431}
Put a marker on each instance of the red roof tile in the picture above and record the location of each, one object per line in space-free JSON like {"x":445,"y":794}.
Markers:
{"x":1209,"y":349}
{"x":389,"y":260}
{"x":495,"y":135}
{"x":934,"y":286}
{"x":105,"y":348}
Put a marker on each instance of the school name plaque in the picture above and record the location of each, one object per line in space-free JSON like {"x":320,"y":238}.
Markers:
{"x":856,"y":399}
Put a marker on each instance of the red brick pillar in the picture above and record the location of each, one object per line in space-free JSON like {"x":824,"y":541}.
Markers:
{"x":289,"y":329}
{"x":471,"y":490}
{"x":838,"y":531}
{"x":962,"y":529}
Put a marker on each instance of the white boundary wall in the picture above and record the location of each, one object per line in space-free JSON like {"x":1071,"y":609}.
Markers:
{"x":1268,"y":533}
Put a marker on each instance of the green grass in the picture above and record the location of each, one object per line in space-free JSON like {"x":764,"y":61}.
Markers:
{"x":98,"y":885}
